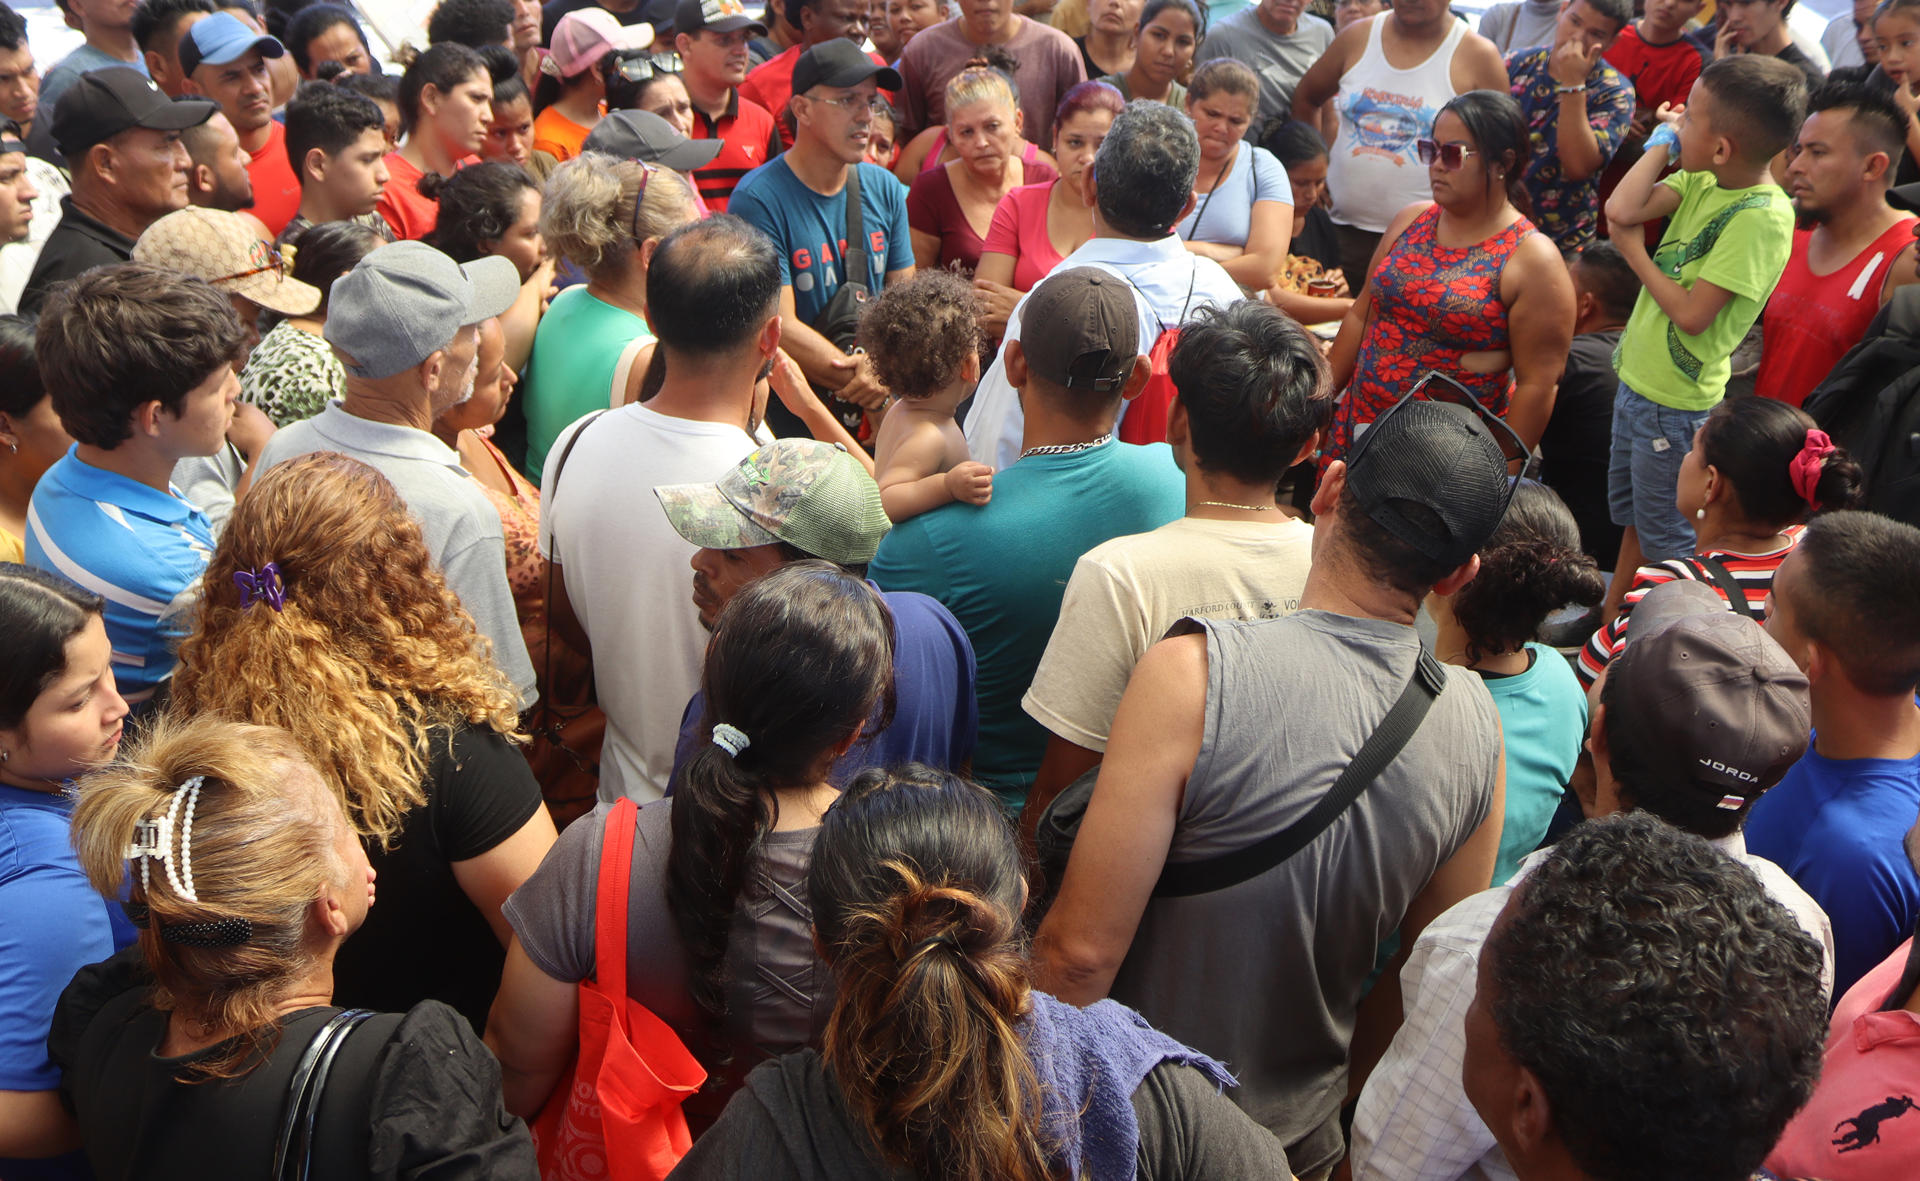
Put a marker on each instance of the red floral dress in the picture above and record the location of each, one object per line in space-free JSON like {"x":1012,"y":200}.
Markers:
{"x":1432,"y":306}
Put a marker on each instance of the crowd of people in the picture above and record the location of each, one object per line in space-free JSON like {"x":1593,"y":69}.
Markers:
{"x":1154,"y":589}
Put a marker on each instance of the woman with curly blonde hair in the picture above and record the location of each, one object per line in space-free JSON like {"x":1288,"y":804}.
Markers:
{"x":323,"y":614}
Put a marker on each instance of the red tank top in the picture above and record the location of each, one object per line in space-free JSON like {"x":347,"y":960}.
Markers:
{"x":1812,"y":320}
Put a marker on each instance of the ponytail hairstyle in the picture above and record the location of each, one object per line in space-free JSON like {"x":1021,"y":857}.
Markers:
{"x":443,"y":67}
{"x":1531,"y":567}
{"x":478,"y":205}
{"x":916,"y":889}
{"x":1756,"y":445}
{"x":328,"y":250}
{"x":977,"y":84}
{"x":1225,"y":75}
{"x":800,"y":660}
{"x":503,"y":68}
{"x":259,"y":841}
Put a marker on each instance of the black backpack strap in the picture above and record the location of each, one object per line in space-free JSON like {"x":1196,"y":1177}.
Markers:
{"x":1382,"y":746}
{"x":853,"y":264}
{"x":1714,"y":571}
{"x":293,"y":1149}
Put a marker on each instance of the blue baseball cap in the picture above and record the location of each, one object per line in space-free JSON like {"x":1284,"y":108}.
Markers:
{"x":221,"y":38}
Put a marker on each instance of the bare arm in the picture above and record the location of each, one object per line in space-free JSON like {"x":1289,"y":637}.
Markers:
{"x":790,"y":386}
{"x":993,"y":288}
{"x":1579,"y":148}
{"x":913,"y":157}
{"x":1900,"y":274}
{"x":1322,"y":79}
{"x":1691,"y":309}
{"x":533,"y":1029}
{"x":1255,"y":264}
{"x":911,"y":470}
{"x":1540,"y":318}
{"x":1467,"y":872}
{"x":1310,"y":309}
{"x":1063,"y":763}
{"x":35,"y":1124}
{"x":1640,"y":197}
{"x":487,"y":880}
{"x":1123,"y":841}
{"x":1477,"y":65}
{"x":926,"y":249}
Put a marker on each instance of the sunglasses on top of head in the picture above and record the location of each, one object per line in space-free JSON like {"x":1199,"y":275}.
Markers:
{"x":1438,"y":387}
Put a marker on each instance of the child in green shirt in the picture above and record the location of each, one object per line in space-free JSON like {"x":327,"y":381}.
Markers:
{"x":1728,"y":240}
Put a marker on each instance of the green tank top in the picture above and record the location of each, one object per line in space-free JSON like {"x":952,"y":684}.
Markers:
{"x":570,"y":373}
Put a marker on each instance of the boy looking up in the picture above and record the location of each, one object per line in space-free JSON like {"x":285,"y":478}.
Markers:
{"x":337,"y":142}
{"x":1730,"y":233}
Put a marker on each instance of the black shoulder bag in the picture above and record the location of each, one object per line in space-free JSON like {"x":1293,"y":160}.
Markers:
{"x":1715,"y":571}
{"x":1060,"y":824}
{"x":293,"y":1150}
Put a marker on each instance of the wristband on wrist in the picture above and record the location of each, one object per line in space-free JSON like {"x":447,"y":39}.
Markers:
{"x":1580,"y":89}
{"x":1664,"y":136}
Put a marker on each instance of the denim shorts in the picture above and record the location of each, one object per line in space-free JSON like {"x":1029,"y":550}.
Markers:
{"x":1643,"y":472}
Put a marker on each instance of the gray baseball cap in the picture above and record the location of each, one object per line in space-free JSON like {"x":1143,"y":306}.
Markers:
{"x":405,"y":301}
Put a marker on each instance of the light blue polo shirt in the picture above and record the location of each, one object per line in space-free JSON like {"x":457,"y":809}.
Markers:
{"x":140,"y":549}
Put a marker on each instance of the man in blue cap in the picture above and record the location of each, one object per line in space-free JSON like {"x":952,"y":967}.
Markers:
{"x":227,"y":62}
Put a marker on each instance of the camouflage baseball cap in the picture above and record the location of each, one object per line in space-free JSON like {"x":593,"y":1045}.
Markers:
{"x":811,"y":495}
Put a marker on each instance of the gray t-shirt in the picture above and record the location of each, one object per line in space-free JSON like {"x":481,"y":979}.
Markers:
{"x":779,"y":993}
{"x":1266,"y":975}
{"x":460,"y":525}
{"x":1279,"y":61}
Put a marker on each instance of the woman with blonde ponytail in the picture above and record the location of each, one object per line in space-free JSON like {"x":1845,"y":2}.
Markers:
{"x":719,"y":945}
{"x":940,"y":1062}
{"x":245,"y":877}
{"x":322,"y":613}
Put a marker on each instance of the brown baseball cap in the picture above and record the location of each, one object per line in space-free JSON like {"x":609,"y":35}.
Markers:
{"x":1711,"y":689}
{"x":224,"y":249}
{"x":1080,"y":329}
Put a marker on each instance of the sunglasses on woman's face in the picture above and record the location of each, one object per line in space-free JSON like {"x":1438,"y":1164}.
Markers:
{"x":1450,"y":155}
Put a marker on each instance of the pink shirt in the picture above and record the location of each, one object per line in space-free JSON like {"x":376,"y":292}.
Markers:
{"x":1863,"y":1122}
{"x":1020,"y":229}
{"x":934,"y":208}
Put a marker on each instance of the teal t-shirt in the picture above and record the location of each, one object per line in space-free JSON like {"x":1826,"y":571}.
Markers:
{"x":570,"y":373}
{"x":1002,"y":569}
{"x":1736,"y":239}
{"x":1543,"y":717}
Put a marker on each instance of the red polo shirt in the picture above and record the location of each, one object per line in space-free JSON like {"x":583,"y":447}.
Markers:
{"x":276,"y":190}
{"x":751,"y":140}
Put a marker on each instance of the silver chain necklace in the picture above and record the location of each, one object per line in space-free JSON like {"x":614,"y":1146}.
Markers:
{"x":1251,"y":508}
{"x":1069,"y":448}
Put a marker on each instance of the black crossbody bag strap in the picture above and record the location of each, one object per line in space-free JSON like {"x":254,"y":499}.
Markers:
{"x":853,"y":264}
{"x":1718,"y":574}
{"x":293,"y":1150}
{"x":1381,"y":748}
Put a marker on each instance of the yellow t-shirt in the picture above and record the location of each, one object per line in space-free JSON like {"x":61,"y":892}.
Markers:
{"x":12,"y":549}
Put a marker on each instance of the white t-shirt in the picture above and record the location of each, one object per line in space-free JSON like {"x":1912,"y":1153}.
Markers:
{"x":628,"y":577}
{"x":1126,"y":593}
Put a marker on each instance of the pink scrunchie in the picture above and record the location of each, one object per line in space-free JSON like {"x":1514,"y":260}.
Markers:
{"x":1804,"y":471}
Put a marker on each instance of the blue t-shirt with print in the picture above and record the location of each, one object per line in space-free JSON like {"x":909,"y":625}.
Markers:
{"x":810,"y":230}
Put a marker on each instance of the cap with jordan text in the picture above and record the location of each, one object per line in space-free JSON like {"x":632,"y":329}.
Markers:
{"x":103,"y":103}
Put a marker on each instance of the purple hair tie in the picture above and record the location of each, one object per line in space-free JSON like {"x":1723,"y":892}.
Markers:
{"x":261,"y":586}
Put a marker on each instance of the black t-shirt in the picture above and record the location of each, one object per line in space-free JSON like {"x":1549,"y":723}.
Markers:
{"x":790,"y":1121}
{"x":423,"y":939}
{"x":409,"y":1096}
{"x":77,"y":245}
{"x":1575,"y":447}
{"x":1316,"y":240}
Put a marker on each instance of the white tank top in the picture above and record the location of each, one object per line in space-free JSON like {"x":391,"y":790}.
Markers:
{"x":1373,"y":171}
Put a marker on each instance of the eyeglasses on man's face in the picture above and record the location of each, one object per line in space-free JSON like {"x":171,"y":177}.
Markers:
{"x":853,"y":104}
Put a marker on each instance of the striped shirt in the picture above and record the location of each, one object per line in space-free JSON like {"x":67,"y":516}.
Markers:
{"x":750,"y":139}
{"x":140,"y":549}
{"x":1752,"y":573}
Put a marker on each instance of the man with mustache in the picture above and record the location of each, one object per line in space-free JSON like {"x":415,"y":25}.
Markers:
{"x":227,"y":62}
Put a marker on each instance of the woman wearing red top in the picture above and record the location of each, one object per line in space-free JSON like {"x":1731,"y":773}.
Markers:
{"x":951,"y":206}
{"x":1038,"y":225}
{"x":446,"y":98}
{"x":1464,"y":285}
{"x":1757,"y":470}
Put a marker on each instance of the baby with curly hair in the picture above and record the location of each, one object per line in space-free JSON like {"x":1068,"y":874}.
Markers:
{"x":925,"y":346}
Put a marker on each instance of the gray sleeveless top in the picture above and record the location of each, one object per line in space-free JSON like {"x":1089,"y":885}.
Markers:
{"x":1266,"y":975}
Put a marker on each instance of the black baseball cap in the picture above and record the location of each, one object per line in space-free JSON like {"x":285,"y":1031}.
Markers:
{"x":1433,"y":456}
{"x":103,"y":103}
{"x":645,"y":136}
{"x":720,"y":16}
{"x":839,"y":62}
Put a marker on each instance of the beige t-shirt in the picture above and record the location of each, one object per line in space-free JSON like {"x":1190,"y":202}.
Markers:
{"x":1126,"y":593}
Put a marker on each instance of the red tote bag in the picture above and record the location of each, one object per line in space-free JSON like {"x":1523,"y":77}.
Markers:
{"x":616,"y":1115}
